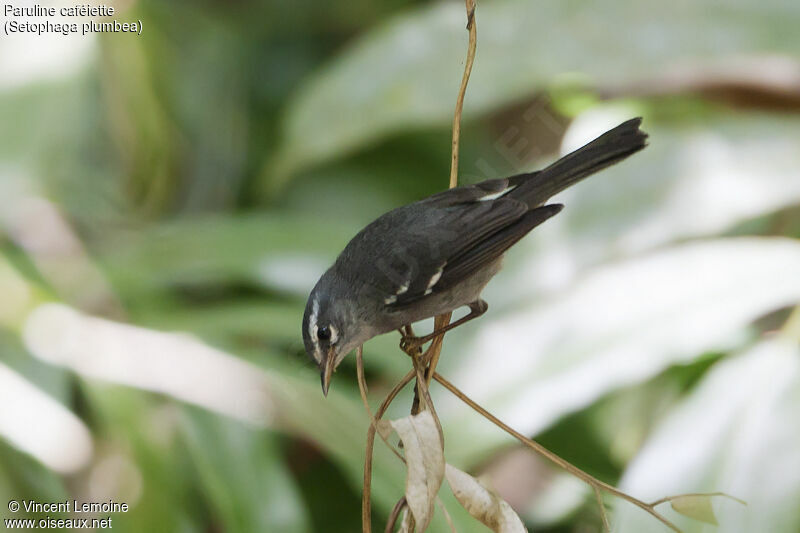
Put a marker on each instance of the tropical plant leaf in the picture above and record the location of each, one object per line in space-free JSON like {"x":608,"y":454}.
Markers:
{"x":737,"y":433}
{"x":244,"y":475}
{"x":283,"y":252}
{"x":19,"y":296}
{"x":620,"y":325}
{"x":184,"y":368}
{"x":61,"y":441}
{"x":409,"y":67}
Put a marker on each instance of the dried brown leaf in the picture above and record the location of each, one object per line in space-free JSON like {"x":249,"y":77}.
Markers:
{"x":483,"y":504}
{"x":424,"y":455}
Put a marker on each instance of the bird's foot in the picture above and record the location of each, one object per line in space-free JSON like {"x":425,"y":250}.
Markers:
{"x":409,"y":342}
{"x":412,"y":345}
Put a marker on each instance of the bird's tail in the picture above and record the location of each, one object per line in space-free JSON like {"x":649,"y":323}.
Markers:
{"x":611,"y":147}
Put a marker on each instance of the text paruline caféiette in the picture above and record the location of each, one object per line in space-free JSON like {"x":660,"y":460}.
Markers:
{"x":72,"y":19}
{"x":36,"y":10}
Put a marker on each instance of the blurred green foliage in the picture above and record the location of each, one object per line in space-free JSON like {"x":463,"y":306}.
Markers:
{"x":209,"y":170}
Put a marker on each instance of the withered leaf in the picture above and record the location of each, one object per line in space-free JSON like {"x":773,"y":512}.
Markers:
{"x":424,"y":455}
{"x":483,"y":504}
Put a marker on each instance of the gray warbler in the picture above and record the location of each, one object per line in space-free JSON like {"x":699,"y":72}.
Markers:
{"x":436,"y":255}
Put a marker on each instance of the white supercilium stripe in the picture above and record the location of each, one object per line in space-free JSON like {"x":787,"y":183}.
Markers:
{"x":312,"y":327}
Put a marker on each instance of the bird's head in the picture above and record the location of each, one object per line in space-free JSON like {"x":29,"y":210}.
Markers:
{"x":328,"y":329}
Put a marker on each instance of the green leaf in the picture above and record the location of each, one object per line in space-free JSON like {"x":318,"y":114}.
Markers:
{"x":405,"y":73}
{"x":23,"y":478}
{"x":55,"y":381}
{"x":184,"y":368}
{"x":199,"y":251}
{"x":227,"y":322}
{"x":737,"y":432}
{"x":139,"y":431}
{"x":19,"y":296}
{"x":243,"y":474}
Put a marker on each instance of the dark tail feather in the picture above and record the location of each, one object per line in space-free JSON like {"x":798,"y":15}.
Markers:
{"x":611,"y":147}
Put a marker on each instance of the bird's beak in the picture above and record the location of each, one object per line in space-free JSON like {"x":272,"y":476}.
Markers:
{"x":327,"y":370}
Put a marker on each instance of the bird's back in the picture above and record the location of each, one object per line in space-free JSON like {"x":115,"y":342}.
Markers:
{"x":418,"y":251}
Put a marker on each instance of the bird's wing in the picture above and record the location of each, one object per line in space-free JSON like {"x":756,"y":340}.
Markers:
{"x":493,"y":246}
{"x":409,"y":249}
{"x":481,"y":233}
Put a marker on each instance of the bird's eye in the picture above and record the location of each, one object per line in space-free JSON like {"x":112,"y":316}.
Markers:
{"x":324,"y":333}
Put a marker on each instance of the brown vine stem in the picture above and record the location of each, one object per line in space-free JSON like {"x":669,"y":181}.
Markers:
{"x":435,"y":349}
{"x":442,"y":320}
{"x":603,"y":515}
{"x":541,"y":450}
{"x":473,"y":42}
{"x":447,"y":516}
{"x":366,"y":503}
{"x":425,"y":365}
{"x":666,"y":499}
{"x":422,"y":387}
{"x":362,"y":388}
{"x":395,"y":514}
{"x":362,"y":385}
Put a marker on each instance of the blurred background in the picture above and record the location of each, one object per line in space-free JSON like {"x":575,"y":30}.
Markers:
{"x":168,"y":200}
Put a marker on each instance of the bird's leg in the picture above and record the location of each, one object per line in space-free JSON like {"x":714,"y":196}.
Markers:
{"x":410,"y":343}
{"x":406,"y":331}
